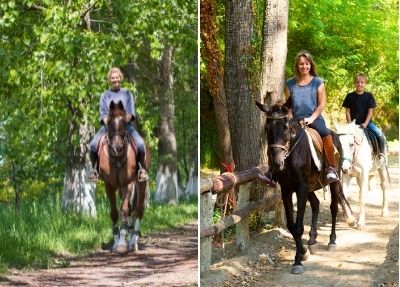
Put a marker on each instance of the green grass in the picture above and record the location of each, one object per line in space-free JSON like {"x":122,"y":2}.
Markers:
{"x":41,"y":233}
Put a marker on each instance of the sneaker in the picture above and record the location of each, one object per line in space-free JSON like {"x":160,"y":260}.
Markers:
{"x":93,"y":175}
{"x":331,"y":175}
{"x":382,"y":159}
{"x":142,"y":176}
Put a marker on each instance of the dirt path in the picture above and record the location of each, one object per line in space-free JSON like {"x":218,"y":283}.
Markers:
{"x":164,"y":259}
{"x":362,"y":258}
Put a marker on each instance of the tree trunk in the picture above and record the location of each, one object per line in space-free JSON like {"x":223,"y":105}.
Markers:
{"x":168,"y":189}
{"x":192,"y":187}
{"x":243,"y":117}
{"x":273,"y":72}
{"x":79,"y":191}
{"x":215,"y":78}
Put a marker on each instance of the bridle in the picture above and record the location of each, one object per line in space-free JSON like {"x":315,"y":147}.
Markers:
{"x":286,"y":146}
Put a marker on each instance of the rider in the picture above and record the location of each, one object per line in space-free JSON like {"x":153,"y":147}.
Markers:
{"x":116,"y":93}
{"x":360,"y":107}
{"x":306,"y":97}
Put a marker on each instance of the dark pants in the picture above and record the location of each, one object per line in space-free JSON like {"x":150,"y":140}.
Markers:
{"x":131,"y":130}
{"x":320,"y":126}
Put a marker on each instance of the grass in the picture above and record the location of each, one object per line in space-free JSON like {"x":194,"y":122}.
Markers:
{"x":41,"y":233}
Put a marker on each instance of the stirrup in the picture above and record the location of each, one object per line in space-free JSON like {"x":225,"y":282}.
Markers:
{"x":382,"y":159}
{"x":331,"y":175}
{"x":93,"y":175}
{"x":142,"y":175}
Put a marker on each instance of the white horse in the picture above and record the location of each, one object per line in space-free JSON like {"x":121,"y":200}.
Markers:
{"x":359,"y":161}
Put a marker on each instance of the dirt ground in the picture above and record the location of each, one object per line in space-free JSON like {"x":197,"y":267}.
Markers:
{"x":363,"y":258}
{"x":164,"y":259}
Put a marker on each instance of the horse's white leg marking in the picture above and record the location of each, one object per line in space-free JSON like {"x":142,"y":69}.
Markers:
{"x":133,"y":243}
{"x":116,"y":238}
{"x":363,"y":183}
{"x":122,"y":246}
{"x":345,"y":184}
{"x":385,"y":203}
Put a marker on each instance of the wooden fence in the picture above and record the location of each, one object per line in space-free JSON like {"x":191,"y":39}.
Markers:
{"x":222,"y":184}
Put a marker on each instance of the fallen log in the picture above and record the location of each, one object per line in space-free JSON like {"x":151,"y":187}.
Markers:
{"x":240,"y":214}
{"x":228,"y":180}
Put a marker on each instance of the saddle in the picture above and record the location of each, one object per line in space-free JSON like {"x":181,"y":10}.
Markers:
{"x":103,"y":141}
{"x":372,"y":140}
{"x":315,"y":143}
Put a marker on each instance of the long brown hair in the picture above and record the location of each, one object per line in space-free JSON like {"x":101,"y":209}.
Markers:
{"x":307,"y":55}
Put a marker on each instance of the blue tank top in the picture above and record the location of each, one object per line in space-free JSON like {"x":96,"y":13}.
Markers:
{"x":304,"y":99}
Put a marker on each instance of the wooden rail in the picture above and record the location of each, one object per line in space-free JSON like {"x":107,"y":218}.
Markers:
{"x":222,"y":184}
{"x":227,"y":180}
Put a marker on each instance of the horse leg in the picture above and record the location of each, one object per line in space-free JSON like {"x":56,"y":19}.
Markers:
{"x":126,"y":192}
{"x":313,"y":199}
{"x":140,"y":204}
{"x":110,"y":191}
{"x":335,"y":193}
{"x":346,"y":182}
{"x":362,"y":181}
{"x":296,"y":229}
{"x":348,"y":213}
{"x":385,"y":203}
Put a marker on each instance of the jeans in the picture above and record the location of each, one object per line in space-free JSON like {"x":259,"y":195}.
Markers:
{"x":320,"y":126}
{"x":374,"y":129}
{"x":130,"y":129}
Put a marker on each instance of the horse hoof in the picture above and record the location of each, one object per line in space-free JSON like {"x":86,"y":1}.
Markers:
{"x":305,"y":256}
{"x":134,"y":247}
{"x":312,"y":248}
{"x":385,"y":213}
{"x":122,"y":248}
{"x":331,"y":247}
{"x":351,"y":222}
{"x":360,"y":227}
{"x":297,"y":269}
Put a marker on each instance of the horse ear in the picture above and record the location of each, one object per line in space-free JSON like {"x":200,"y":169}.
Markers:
{"x":353,"y":122}
{"x":262,"y":107}
{"x":112,"y":106}
{"x":121,"y":105}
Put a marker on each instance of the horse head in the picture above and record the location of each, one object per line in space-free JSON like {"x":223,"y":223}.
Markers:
{"x":116,"y":129}
{"x":348,"y":133}
{"x":279,"y":132}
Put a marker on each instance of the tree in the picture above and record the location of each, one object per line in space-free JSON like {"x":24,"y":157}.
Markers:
{"x":215,"y":78}
{"x":242,"y":115}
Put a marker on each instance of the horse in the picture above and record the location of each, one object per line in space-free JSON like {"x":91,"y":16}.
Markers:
{"x":292,"y":166}
{"x":118,"y":169}
{"x":358,"y":161}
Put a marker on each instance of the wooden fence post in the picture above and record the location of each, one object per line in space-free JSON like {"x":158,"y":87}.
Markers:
{"x":242,"y":228}
{"x":279,"y":209}
{"x":206,"y":210}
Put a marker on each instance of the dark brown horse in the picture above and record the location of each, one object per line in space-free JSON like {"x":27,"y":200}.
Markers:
{"x":118,"y":169}
{"x":289,"y":157}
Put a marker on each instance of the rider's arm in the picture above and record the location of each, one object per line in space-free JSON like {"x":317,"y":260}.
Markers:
{"x":321,"y":94}
{"x":368,"y":118}
{"x":348,"y":115}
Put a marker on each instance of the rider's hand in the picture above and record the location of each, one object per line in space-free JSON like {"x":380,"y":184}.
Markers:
{"x":105,"y":120}
{"x":363,"y":125}
{"x":308,"y":121}
{"x":129,"y":118}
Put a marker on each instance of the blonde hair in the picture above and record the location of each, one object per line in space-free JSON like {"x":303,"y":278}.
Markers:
{"x":362,"y":76}
{"x":115,"y":70}
{"x":307,"y":55}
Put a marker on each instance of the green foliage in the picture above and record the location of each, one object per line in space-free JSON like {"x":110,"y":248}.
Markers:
{"x":42,"y":232}
{"x":53,"y":68}
{"x":345,"y":37}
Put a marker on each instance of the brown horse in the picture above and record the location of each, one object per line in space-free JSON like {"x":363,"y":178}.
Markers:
{"x":118,"y":169}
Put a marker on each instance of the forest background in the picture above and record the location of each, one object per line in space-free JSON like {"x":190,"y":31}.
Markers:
{"x":54,"y":60}
{"x":345,"y":37}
